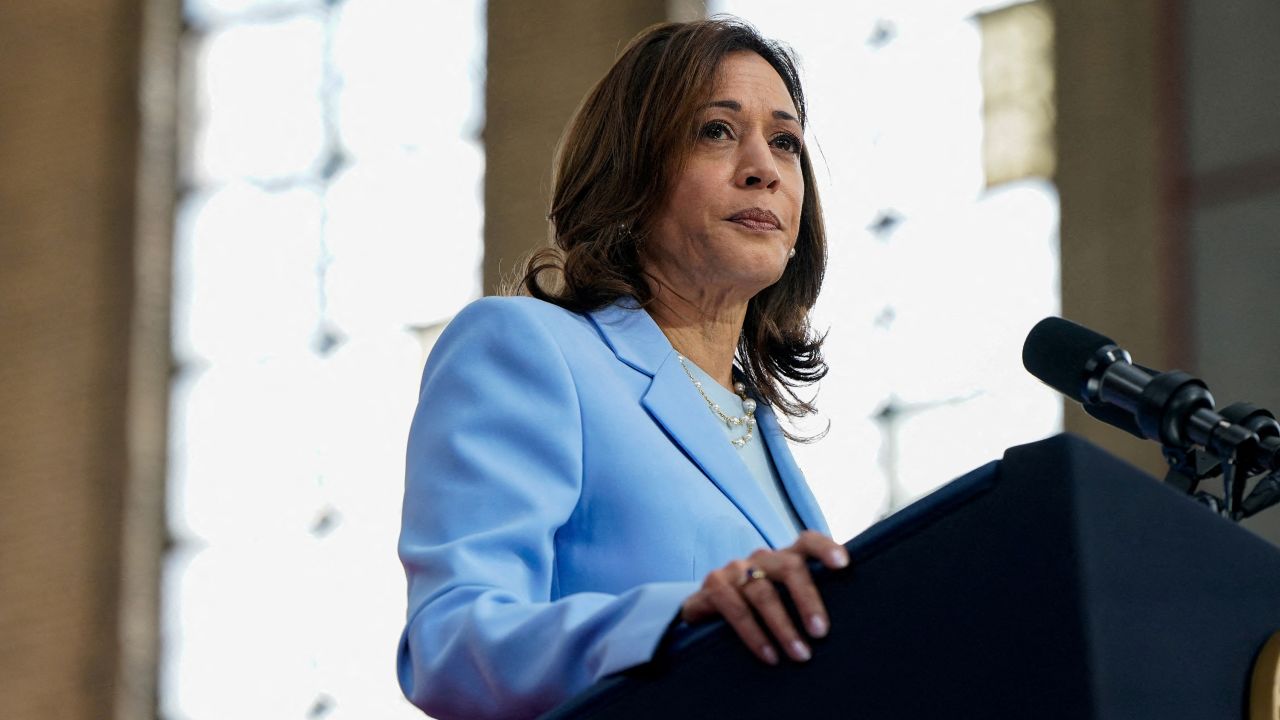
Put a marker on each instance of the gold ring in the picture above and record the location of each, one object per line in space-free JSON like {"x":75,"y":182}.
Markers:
{"x":753,"y":573}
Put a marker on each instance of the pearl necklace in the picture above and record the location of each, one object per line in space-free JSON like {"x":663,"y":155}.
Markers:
{"x":748,"y":407}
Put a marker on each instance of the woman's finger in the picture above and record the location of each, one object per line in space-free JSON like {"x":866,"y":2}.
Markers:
{"x":768,"y":606}
{"x":816,"y":545}
{"x":805,"y":596}
{"x":697,"y":607}
{"x":803,"y":592}
{"x":720,"y":595}
{"x":733,"y":607}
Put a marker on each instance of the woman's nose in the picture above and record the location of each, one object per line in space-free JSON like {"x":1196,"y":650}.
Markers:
{"x":756,"y":166}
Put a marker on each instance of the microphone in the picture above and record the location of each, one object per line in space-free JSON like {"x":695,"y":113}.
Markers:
{"x":1115,"y":417}
{"x":1170,"y":407}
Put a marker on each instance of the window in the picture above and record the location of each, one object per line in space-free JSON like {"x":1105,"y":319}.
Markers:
{"x":332,"y":215}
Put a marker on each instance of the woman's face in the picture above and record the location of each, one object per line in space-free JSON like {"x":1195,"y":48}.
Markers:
{"x":733,"y":214}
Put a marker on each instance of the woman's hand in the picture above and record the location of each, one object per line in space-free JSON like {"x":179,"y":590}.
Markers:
{"x":742,"y":592}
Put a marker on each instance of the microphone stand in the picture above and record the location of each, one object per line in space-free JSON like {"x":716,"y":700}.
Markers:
{"x":1266,"y":492}
{"x":1243,"y":440}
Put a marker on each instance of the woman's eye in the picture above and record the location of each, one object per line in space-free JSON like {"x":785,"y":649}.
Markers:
{"x":715,"y":131}
{"x":788,"y":143}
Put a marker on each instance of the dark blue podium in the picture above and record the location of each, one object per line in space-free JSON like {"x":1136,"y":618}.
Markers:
{"x":1058,"y":582}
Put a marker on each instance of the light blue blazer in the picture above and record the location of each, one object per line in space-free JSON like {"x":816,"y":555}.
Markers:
{"x":566,"y":489}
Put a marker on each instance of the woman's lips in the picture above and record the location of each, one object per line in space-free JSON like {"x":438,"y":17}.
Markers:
{"x":755,"y":224}
{"x":756,"y":219}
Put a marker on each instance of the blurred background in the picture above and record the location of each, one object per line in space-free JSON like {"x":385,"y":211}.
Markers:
{"x":231,"y":229}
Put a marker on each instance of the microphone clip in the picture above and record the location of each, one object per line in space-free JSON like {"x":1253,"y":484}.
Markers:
{"x":1243,"y":441}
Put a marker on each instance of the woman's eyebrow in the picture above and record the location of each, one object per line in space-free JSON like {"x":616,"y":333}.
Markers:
{"x":736,"y":106}
{"x":733,"y":105}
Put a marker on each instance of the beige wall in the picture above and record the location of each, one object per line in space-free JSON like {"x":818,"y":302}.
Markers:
{"x":68,"y":134}
{"x":86,"y":199}
{"x":543,"y":58}
{"x":1169,"y":173}
{"x":1119,"y":235}
{"x":1231,"y":183}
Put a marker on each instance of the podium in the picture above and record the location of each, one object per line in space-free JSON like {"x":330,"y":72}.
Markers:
{"x":1058,"y":582}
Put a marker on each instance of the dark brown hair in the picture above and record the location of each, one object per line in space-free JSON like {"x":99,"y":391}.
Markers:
{"x":615,"y":163}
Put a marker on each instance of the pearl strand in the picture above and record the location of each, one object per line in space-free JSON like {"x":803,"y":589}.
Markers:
{"x":748,"y":407}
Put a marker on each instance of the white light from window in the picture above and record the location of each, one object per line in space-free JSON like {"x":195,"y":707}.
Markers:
{"x":403,"y":235}
{"x":400,"y":87}
{"x":247,"y":282}
{"x":258,"y":93}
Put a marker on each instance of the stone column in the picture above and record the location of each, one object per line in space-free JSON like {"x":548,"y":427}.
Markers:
{"x":1119,"y":156}
{"x":543,"y":58}
{"x":71,"y":270}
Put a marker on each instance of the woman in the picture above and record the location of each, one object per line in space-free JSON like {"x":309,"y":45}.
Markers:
{"x":586,"y":466}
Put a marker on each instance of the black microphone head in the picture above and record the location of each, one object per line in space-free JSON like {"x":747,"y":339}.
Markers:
{"x":1058,"y":352}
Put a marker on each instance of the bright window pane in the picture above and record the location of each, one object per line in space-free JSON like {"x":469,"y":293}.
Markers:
{"x":258,"y":93}
{"x":249,"y":469}
{"x":248,"y":281}
{"x":245,"y":651}
{"x":400,"y":87}
{"x":404,"y":239}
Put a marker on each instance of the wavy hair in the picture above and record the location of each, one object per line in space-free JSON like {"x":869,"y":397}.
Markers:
{"x":614,"y":166}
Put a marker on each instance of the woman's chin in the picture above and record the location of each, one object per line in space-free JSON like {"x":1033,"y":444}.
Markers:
{"x":761,"y":278}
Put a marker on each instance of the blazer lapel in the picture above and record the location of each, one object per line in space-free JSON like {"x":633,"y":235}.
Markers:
{"x":674,"y":403}
{"x":676,"y":406}
{"x":792,"y":479}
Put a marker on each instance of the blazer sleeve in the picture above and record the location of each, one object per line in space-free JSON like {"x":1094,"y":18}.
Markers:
{"x":494,"y":468}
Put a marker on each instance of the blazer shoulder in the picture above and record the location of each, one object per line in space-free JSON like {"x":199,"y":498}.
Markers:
{"x":494,"y":334}
{"x":510,"y":314}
